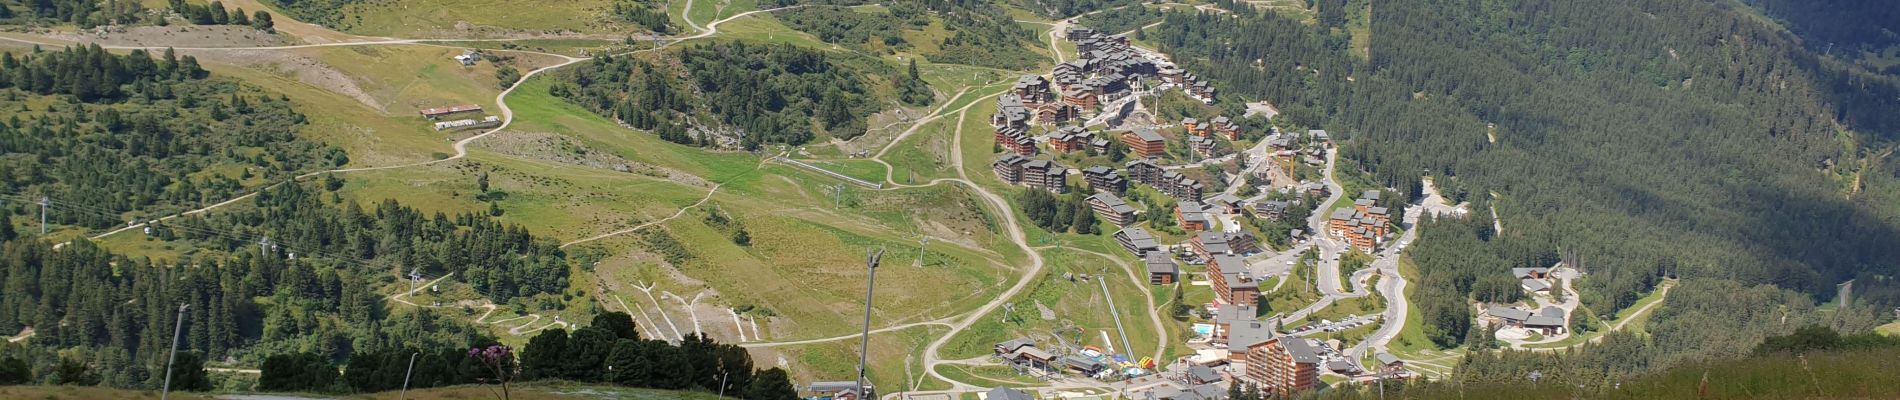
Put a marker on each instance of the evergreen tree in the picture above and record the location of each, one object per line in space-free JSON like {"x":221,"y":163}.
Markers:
{"x":620,"y":323}
{"x":14,"y":371}
{"x":588,"y":349}
{"x":188,"y":373}
{"x":297,"y":372}
{"x":544,"y":356}
{"x":262,"y":21}
{"x":771,"y":384}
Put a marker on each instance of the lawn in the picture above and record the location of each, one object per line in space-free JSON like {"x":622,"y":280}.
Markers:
{"x":987,"y":375}
{"x":893,"y":364}
{"x":480,"y":18}
{"x":1080,"y":311}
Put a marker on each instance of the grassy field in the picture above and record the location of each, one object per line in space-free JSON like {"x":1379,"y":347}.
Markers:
{"x":987,"y":375}
{"x":480,"y":18}
{"x":1891,"y":329}
{"x":893,"y":360}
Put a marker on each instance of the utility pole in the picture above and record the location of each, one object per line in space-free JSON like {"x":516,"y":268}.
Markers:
{"x":44,"y":202}
{"x":864,"y":346}
{"x":178,"y":329}
{"x":404,"y":394}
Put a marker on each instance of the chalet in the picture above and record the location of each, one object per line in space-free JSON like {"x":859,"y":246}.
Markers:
{"x":1285,"y":366}
{"x":1179,"y":186}
{"x":1023,"y":146}
{"x":1080,"y":95}
{"x":1144,"y":171}
{"x":1137,"y":241}
{"x":1104,"y":179}
{"x":1226,"y":128}
{"x":1272,"y":210}
{"x":439,"y":112}
{"x":1193,"y":126}
{"x":1033,"y":89}
{"x":1056,"y":113}
{"x":1389,"y":364}
{"x":1070,"y":138}
{"x":1191,"y":216}
{"x":1242,"y":242}
{"x":1010,"y":168}
{"x":1046,"y":175}
{"x":1078,"y":33}
{"x":1161,"y":268}
{"x":1225,"y":203}
{"x":1320,"y":137}
{"x":1315,"y":189}
{"x":1203,"y":147}
{"x":1006,"y":135}
{"x":1112,"y":208}
{"x":1098,"y":146}
{"x":1145,"y":142}
{"x":1200,"y":90}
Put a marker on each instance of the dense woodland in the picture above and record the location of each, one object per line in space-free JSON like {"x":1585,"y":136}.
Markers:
{"x":1636,"y":139}
{"x":859,"y":30}
{"x":288,"y":271}
{"x":768,"y":93}
{"x":125,"y":137}
{"x":1850,"y":29}
{"x":1117,"y":21}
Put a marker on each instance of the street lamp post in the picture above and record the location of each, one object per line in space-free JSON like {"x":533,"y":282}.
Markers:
{"x":178,"y":329}
{"x":864,"y":346}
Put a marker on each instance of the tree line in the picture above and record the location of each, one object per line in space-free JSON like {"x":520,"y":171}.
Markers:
{"x":287,"y":271}
{"x":609,"y":351}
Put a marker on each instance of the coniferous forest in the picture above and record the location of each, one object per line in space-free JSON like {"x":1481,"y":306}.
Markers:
{"x":138,"y":134}
{"x":1636,"y":139}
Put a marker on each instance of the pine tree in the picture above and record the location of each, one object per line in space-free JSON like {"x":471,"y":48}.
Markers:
{"x":262,"y":21}
{"x":771,"y":384}
{"x":620,"y":323}
{"x":543,"y":357}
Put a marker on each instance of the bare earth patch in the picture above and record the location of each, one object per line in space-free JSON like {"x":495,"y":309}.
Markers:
{"x":174,"y":36}
{"x":282,"y":63}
